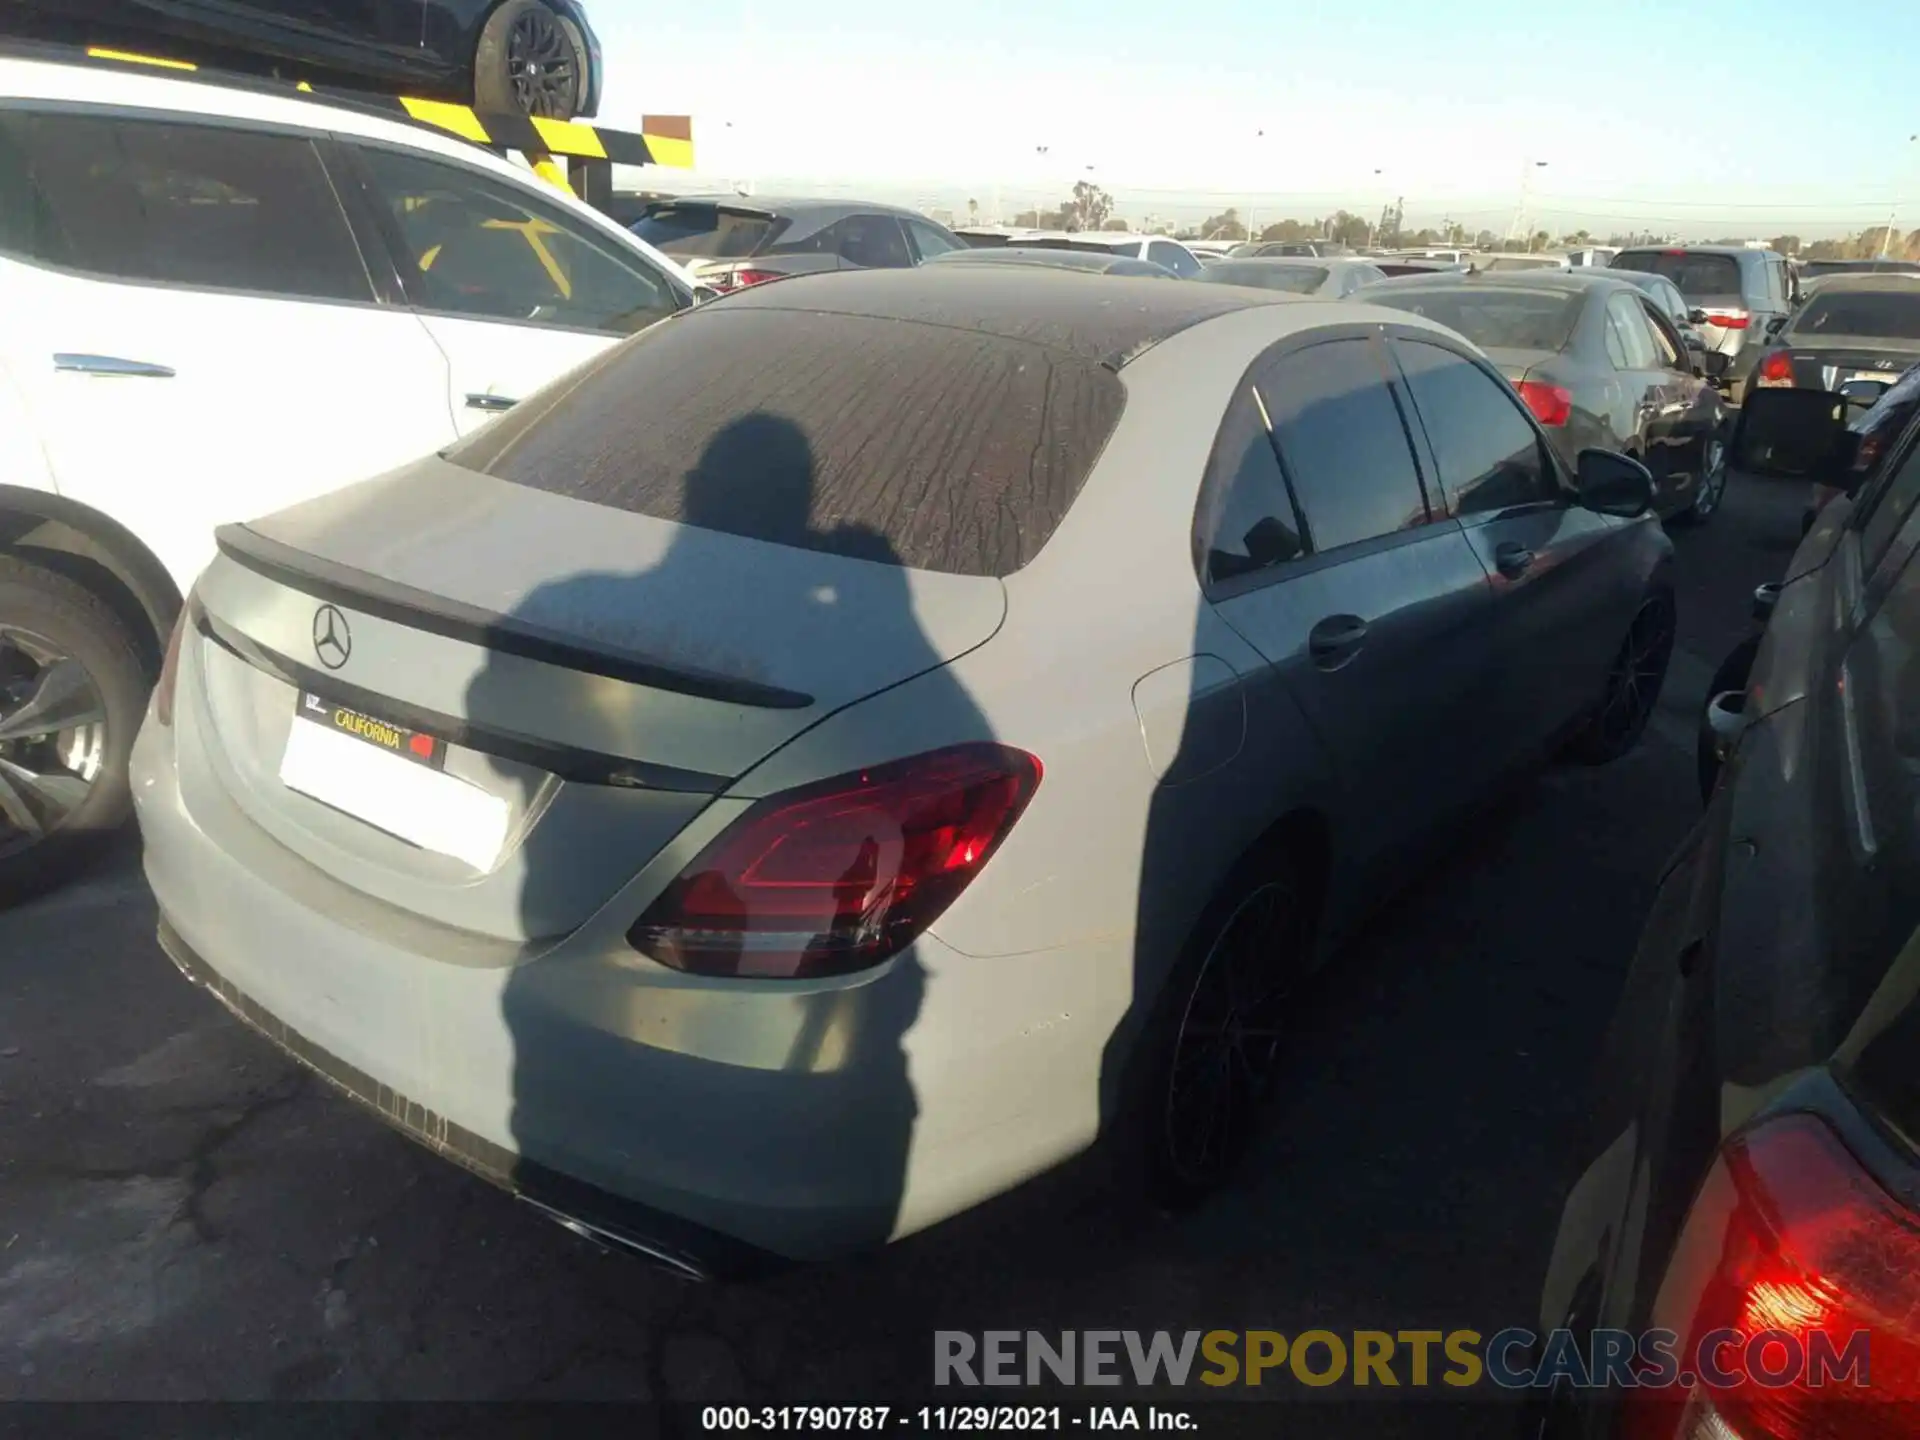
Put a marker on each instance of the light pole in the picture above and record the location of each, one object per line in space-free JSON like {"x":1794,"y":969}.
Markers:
{"x":1886,"y":240}
{"x":1527,"y":167}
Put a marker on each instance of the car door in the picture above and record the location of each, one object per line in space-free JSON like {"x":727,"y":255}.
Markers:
{"x":194,"y":328}
{"x":1333,"y":568}
{"x":513,"y":288}
{"x":1690,"y":409}
{"x":1560,"y":605}
{"x":1645,"y":392}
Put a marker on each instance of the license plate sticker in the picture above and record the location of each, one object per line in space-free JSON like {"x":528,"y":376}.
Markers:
{"x":392,"y":778}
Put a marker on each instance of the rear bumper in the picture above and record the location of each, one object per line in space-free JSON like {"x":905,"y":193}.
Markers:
{"x":702,"y":1121}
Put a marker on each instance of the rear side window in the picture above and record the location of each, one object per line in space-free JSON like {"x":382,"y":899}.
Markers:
{"x":873,"y":242}
{"x":161,"y":203}
{"x":704,"y":232}
{"x":1342,"y":443}
{"x":1490,"y":457}
{"x":1869,"y":314}
{"x":927,"y":446}
{"x":1495,"y":319}
{"x":1247,"y":521}
{"x":1699,"y":277}
{"x":472,"y":245}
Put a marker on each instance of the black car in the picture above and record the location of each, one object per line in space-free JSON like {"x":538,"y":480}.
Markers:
{"x":1755,"y":1181}
{"x":532,"y":57}
{"x":1091,"y":262}
{"x":1596,"y":361}
{"x":730,"y":242}
{"x":1852,"y":328}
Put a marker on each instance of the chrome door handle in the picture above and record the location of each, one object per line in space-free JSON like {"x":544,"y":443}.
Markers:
{"x":1512,"y":558}
{"x":111,"y":365}
{"x":492,"y":404}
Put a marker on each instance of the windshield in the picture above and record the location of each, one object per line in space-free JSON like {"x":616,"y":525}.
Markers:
{"x":704,"y":232}
{"x":1868,"y":315}
{"x":1493,"y":319}
{"x":1699,"y":277}
{"x":1294,"y":279}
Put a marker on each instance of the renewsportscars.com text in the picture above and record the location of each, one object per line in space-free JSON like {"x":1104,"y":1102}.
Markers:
{"x":1512,"y":1359}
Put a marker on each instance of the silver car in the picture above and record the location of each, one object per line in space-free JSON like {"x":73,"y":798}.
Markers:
{"x":1331,"y":279}
{"x":851,"y":746}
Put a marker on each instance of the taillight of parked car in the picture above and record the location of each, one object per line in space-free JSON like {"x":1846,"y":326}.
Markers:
{"x":840,"y":875}
{"x":1552,"y":405}
{"x":170,"y":666}
{"x":1775,"y":369}
{"x":1791,"y":1253}
{"x":726,"y":281}
{"x":1729,"y":319}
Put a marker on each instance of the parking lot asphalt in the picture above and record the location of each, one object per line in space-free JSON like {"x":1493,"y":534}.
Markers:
{"x":184,"y":1215}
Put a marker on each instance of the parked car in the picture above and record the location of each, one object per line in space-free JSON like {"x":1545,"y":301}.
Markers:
{"x":1753,"y":1162}
{"x":1090,"y":262}
{"x":1513,"y":262}
{"x":1311,"y":249}
{"x":1590,"y":256}
{"x":1598,"y":364}
{"x":1820,"y":269}
{"x":1877,"y":423}
{"x":1394,"y":269}
{"x":1329,"y":279}
{"x":1854,"y":327}
{"x":1168,"y":254}
{"x":990,"y":237}
{"x":1739,"y":293}
{"x":727,"y":828}
{"x":530,"y":57}
{"x":730,"y":242}
{"x":219,"y":301}
{"x":1664,"y":293}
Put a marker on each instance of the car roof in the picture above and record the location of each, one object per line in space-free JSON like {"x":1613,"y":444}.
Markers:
{"x":1890,"y":282}
{"x":811,"y":206}
{"x":1695,"y":250}
{"x":1092,"y":261}
{"x":1107,"y":319}
{"x":24,"y":76}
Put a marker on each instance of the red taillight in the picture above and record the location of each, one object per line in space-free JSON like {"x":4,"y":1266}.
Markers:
{"x":840,"y":875}
{"x":170,"y":667}
{"x":1729,"y":319}
{"x":727,"y":280}
{"x":1791,"y":1239}
{"x":1775,"y":368}
{"x":1552,"y":405}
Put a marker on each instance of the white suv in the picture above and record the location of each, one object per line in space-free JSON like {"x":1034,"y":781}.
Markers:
{"x":220,"y":298}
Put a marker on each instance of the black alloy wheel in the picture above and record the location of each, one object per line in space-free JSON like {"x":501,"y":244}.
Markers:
{"x":1632,"y":690}
{"x":529,"y":62}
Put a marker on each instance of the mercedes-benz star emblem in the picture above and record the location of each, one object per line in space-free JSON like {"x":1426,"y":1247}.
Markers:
{"x":332,"y":640}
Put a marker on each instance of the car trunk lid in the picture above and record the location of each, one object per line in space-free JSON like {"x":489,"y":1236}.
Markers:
{"x":586,"y":671}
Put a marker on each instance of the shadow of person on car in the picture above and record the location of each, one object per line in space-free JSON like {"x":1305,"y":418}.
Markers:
{"x":710,"y":1093}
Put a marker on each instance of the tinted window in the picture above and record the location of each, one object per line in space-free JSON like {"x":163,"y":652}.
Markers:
{"x":176,"y":204}
{"x":1627,"y":320}
{"x":936,"y":447}
{"x":1489,"y":456}
{"x":1175,"y":258}
{"x":1294,"y":279}
{"x":1882,"y":511}
{"x":1493,"y":319}
{"x":472,"y":245}
{"x":703,"y":232}
{"x":873,"y":242}
{"x":1871,"y":314}
{"x":1699,"y":277}
{"x":1666,"y":350}
{"x":928,"y":240}
{"x":1246,"y":522}
{"x":1342,"y":442}
{"x":1670,"y":297}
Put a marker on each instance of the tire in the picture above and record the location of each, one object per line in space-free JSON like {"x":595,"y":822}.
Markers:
{"x":1264,"y":902}
{"x":1733,"y":674}
{"x":52,"y":829}
{"x":1713,"y":485}
{"x":529,"y":62}
{"x":1632,"y":688}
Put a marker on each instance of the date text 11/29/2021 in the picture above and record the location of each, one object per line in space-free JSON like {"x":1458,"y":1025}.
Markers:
{"x":958,"y":1419}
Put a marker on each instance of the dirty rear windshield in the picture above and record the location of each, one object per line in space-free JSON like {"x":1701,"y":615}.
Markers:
{"x":1872,"y":315}
{"x":1698,"y":277}
{"x":704,"y":232}
{"x":1294,"y":279}
{"x":1494,"y":319}
{"x":926,"y":446}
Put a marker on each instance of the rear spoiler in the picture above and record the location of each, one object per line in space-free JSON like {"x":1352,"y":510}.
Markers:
{"x":329,"y":581}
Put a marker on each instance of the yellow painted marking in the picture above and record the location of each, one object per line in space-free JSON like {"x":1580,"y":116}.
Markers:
{"x":426,"y":260}
{"x":569,"y":137}
{"x":163,"y":63}
{"x":531,"y":231}
{"x":303,"y":85}
{"x":674,"y":154}
{"x":551,"y":171}
{"x":456,"y":118}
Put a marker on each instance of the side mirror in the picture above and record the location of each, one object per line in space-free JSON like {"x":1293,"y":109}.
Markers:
{"x":1776,"y":325}
{"x":1765,"y":597}
{"x":1864,"y":394}
{"x":1696,"y":316}
{"x":1610,"y":483}
{"x":1794,"y":434}
{"x":703,"y":293}
{"x":1713,"y":364}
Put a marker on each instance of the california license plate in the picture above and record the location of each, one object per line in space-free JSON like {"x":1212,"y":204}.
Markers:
{"x":392,"y":778}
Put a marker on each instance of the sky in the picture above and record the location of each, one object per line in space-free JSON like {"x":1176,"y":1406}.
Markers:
{"x":1647,"y":115}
